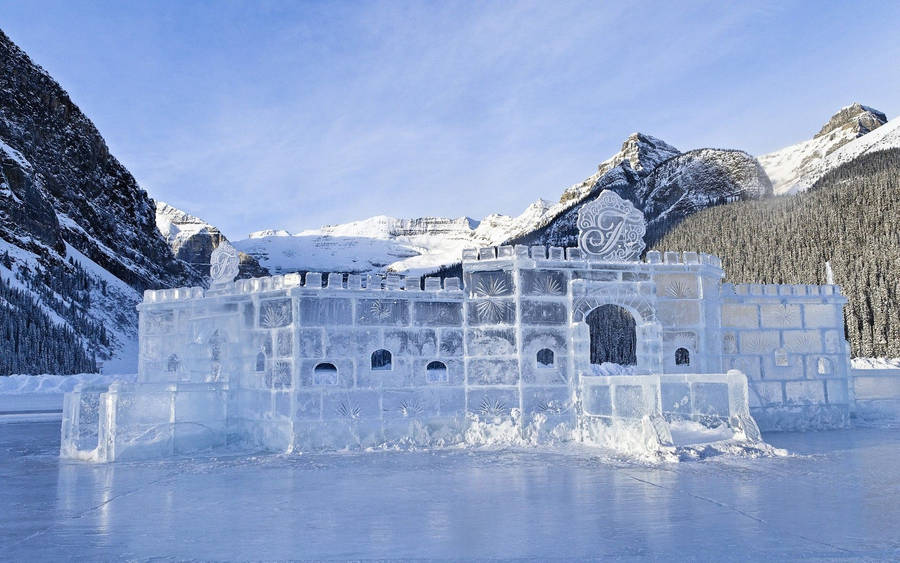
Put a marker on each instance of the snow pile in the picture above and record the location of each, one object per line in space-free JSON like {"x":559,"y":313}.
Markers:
{"x":875,"y":363}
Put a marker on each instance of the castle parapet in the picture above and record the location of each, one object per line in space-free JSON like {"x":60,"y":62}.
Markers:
{"x":576,"y":257}
{"x":780,"y":290}
{"x":314,"y":280}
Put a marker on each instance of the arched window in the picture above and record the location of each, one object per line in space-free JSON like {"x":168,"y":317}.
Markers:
{"x":823,"y":366}
{"x":436,"y":372}
{"x":381,"y":360}
{"x":781,"y":358}
{"x":325,"y":374}
{"x":172,"y":363}
{"x":545,"y":358}
{"x":682,"y":357}
{"x":613,"y":335}
{"x":261,"y":362}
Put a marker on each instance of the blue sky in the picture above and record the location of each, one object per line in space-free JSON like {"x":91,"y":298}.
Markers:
{"x":292,"y":115}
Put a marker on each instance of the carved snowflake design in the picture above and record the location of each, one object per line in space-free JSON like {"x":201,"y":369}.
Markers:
{"x":679,"y":290}
{"x":785,"y":314}
{"x":492,"y":310}
{"x":349,"y":410}
{"x":492,"y":407}
{"x":410,"y":409}
{"x":381,"y":310}
{"x":275,"y":315}
{"x":546,"y":285}
{"x":491,"y":287}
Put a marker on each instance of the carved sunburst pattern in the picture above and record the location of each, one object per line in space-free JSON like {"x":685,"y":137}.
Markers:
{"x":410,"y":409}
{"x":678,"y":289}
{"x":492,"y":310}
{"x":802,"y":343}
{"x":492,"y":407}
{"x":348,"y":409}
{"x":753,"y":343}
{"x":786,"y":314}
{"x":492,"y":286}
{"x":546,"y":285}
{"x":274,"y":315}
{"x":551,"y":407}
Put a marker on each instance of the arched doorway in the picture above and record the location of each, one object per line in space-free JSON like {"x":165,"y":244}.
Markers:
{"x":613,"y":335}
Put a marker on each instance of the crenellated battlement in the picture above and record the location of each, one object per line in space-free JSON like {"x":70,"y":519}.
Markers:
{"x":780,"y":290}
{"x":332,"y":281}
{"x":559,"y":254}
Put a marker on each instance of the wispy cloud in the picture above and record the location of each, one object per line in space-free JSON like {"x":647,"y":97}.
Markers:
{"x":292,"y":115}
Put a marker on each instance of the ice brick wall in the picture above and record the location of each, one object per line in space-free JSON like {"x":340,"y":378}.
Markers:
{"x":688,"y":306}
{"x":527,"y":341}
{"x":789,"y":340}
{"x":333,"y":362}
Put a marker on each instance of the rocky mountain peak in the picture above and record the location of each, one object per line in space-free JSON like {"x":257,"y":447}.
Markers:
{"x":855,"y":118}
{"x":643,"y":152}
{"x":192,"y":240}
{"x":640,"y":153}
{"x":797,"y":167}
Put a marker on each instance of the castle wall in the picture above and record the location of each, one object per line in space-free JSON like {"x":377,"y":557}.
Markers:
{"x":789,"y":340}
{"x":298,"y":357}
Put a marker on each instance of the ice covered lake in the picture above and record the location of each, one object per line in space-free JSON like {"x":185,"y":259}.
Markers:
{"x":837,"y":495}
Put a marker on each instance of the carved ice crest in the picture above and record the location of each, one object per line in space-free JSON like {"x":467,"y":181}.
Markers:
{"x":223,"y":264}
{"x":611,"y":229}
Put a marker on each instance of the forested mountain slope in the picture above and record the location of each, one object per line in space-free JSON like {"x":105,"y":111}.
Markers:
{"x":667,"y":193}
{"x":850,"y":217}
{"x":78,"y":237}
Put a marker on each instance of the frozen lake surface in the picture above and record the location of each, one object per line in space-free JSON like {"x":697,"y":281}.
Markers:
{"x":837,"y":495}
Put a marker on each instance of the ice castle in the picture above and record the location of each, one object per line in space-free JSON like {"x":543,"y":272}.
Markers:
{"x":536,"y":344}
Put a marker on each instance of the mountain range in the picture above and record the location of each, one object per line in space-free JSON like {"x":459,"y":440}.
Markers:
{"x":80,"y":239}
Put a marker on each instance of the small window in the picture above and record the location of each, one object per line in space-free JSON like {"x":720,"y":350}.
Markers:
{"x":172,"y":364}
{"x":781,"y":358}
{"x":545,"y":358}
{"x":261,"y":362}
{"x":823,"y":366}
{"x":436,"y":372}
{"x":325,"y":374}
{"x":682,"y":357}
{"x":381,"y":360}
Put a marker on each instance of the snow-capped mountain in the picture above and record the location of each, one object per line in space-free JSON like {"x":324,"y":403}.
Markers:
{"x":639,"y":155}
{"x":885,"y":137}
{"x":797,"y":167}
{"x":78,"y":240}
{"x":413,"y":246}
{"x":675,"y":188}
{"x":192,"y":240}
{"x":689,"y":182}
